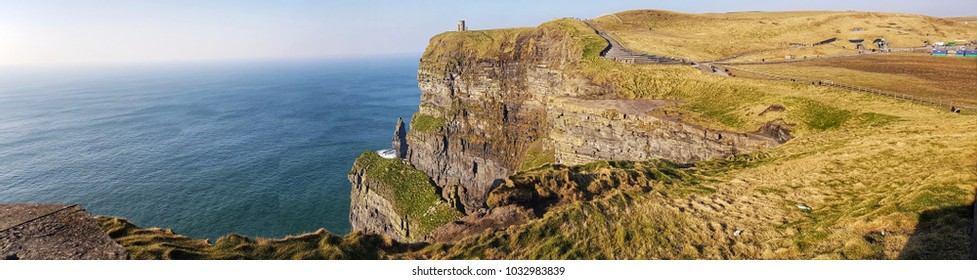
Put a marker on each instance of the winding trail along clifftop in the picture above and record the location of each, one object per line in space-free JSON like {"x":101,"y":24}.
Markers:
{"x":617,"y":52}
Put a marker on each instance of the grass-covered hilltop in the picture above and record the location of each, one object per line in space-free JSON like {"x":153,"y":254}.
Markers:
{"x":528,"y":144}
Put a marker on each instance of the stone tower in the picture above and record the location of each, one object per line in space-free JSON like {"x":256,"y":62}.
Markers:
{"x":461,"y":26}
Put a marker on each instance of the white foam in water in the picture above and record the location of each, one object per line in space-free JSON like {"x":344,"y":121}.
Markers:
{"x":387,"y":153}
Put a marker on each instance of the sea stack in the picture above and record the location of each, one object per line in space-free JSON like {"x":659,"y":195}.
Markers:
{"x":400,"y":139}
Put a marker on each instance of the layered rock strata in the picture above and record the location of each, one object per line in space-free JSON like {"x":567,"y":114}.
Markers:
{"x":391,"y":198}
{"x":493,"y":106}
{"x":583,"y":131}
{"x":372,"y":213}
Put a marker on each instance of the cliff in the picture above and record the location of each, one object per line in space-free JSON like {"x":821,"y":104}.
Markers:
{"x":497,"y":102}
{"x":494,"y":103}
{"x":391,"y":198}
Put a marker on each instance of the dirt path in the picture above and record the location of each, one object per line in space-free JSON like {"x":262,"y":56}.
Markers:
{"x":617,"y":52}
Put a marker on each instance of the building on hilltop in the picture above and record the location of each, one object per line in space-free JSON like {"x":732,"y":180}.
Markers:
{"x":461,"y":26}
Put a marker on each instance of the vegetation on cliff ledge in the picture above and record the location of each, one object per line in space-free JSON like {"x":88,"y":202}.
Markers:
{"x":866,"y":177}
{"x":409,"y":190}
{"x":425,"y":123}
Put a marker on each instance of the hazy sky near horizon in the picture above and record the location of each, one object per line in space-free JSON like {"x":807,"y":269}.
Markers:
{"x":46,"y":32}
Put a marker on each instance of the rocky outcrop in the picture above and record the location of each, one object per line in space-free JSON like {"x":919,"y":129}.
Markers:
{"x":399,"y":142}
{"x":492,"y":110}
{"x":498,"y":102}
{"x":480,"y":221}
{"x":391,"y":198}
{"x":494,"y":115}
{"x":584,"y":131}
{"x":53,"y":232}
{"x":369,"y":212}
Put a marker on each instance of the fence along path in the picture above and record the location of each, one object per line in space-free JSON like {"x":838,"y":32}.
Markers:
{"x":796,"y":60}
{"x":905,"y":97}
{"x":788,"y":47}
{"x":616,"y":52}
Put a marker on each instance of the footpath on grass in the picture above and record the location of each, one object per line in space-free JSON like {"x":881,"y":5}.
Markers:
{"x":617,"y":52}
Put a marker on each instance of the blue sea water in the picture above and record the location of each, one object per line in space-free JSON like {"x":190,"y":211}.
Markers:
{"x":255,"y":148}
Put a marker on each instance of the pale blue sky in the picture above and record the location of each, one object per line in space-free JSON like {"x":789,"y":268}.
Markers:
{"x":41,"y":32}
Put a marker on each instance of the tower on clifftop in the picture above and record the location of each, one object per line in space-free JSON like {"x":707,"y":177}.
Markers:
{"x":461,"y":26}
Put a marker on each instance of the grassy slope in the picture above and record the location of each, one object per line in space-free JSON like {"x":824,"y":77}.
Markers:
{"x":713,"y":101}
{"x":425,"y":123}
{"x":163,"y":244}
{"x":409,"y":191}
{"x":912,"y":179}
{"x":864,"y":164}
{"x":693,"y":36}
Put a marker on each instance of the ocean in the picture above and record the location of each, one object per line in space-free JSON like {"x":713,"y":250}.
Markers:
{"x":256,"y":148}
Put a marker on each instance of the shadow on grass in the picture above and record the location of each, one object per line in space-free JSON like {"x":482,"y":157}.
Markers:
{"x":942,"y":234}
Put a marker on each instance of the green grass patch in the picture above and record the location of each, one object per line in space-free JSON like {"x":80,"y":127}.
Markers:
{"x":409,"y":190}
{"x":819,"y":116}
{"x":936,"y":197}
{"x":425,"y":123}
{"x":537,"y":157}
{"x":477,"y":43}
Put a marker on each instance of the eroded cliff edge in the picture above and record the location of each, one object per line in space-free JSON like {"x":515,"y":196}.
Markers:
{"x":498,"y":102}
{"x":391,"y":198}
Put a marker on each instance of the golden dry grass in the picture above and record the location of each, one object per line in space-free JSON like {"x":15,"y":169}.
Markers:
{"x":164,"y":244}
{"x":883,"y":179}
{"x":948,"y":79}
{"x":911,"y":176}
{"x":798,"y":53}
{"x":714,"y":36}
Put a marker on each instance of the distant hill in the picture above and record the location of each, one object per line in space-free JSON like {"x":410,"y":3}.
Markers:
{"x":715,"y":36}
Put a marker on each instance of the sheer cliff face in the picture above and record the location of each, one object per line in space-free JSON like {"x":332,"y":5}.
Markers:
{"x":489,"y":110}
{"x":491,"y":107}
{"x":371,"y":212}
{"x":583,"y":131}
